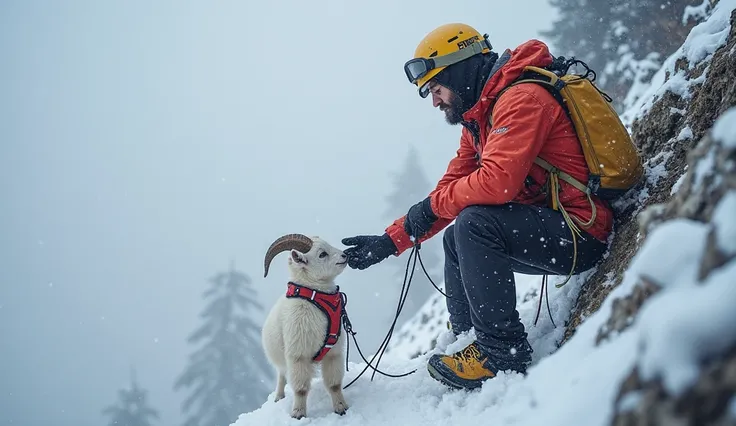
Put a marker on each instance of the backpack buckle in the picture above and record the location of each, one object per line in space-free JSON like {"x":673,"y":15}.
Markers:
{"x":594,"y":183}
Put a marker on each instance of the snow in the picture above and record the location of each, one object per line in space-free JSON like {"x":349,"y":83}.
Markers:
{"x":641,"y":69}
{"x":723,"y":220}
{"x":416,"y":336}
{"x":679,"y":111}
{"x":657,"y":168}
{"x":724,"y":129}
{"x":629,"y":401}
{"x":675,"y":341}
{"x":678,"y":184}
{"x":704,"y":39}
{"x":685,"y":133}
{"x":704,"y":168}
{"x":668,"y":339}
{"x":654,"y":170}
{"x":695,"y":12}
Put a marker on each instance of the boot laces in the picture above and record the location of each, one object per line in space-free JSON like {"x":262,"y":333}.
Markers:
{"x":469,"y":354}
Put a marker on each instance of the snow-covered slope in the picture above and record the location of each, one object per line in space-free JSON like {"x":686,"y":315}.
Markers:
{"x":420,"y":334}
{"x":657,"y":341}
{"x":579,"y":382}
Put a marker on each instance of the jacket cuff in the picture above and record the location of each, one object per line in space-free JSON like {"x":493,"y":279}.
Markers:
{"x":399,"y":237}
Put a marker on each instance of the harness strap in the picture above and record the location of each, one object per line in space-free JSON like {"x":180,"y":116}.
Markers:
{"x":555,"y":175}
{"x":575,"y":231}
{"x":331,"y":304}
{"x":575,"y":183}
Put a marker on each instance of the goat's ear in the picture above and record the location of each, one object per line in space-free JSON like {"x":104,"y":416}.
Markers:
{"x":298,"y":257}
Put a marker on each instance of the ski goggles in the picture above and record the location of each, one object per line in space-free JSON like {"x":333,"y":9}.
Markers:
{"x":417,"y":68}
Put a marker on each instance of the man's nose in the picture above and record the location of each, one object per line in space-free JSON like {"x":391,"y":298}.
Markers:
{"x":436,"y":101}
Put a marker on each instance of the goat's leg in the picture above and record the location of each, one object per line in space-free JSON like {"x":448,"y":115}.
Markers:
{"x":301,"y":371}
{"x":332,"y":374}
{"x":280,"y":386}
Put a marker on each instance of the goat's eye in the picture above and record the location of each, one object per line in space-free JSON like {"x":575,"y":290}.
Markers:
{"x":323,"y":254}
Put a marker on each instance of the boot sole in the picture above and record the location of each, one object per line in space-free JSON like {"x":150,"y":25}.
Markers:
{"x":433,"y":373}
{"x":440,"y":378}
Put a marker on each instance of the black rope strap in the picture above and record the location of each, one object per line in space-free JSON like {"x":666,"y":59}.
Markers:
{"x":544,"y":290}
{"x":347,"y":325}
{"x":384,"y":345}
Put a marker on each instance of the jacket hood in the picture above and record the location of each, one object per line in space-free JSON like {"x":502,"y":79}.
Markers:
{"x":506,"y":69}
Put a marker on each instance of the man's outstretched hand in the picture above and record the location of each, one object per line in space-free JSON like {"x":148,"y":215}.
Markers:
{"x":368,"y":250}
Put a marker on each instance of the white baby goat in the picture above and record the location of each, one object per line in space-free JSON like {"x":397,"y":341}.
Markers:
{"x":295,"y":329}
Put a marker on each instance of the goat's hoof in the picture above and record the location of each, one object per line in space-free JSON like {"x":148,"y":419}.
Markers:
{"x":341,"y":408}
{"x":299,"y":413}
{"x":278,"y":398}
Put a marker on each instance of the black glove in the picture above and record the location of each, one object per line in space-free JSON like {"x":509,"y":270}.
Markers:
{"x":368,"y":250}
{"x":420,"y":219}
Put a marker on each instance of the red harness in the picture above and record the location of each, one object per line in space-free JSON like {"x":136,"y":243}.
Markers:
{"x":333,"y":307}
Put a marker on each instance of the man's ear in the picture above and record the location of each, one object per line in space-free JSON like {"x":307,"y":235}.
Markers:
{"x":298,"y":257}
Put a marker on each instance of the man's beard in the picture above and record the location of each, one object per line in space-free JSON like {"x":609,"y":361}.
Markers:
{"x":453,"y":111}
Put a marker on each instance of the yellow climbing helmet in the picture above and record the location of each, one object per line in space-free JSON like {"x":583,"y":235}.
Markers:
{"x":444,"y":46}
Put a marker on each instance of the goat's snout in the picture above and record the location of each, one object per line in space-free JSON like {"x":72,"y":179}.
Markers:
{"x":343,"y":256}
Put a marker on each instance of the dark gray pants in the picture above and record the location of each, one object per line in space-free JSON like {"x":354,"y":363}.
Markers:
{"x":483,"y":249}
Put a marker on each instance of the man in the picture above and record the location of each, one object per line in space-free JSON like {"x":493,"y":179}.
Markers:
{"x":497,"y":195}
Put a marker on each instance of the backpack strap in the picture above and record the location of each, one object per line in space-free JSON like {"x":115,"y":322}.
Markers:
{"x":544,"y":78}
{"x":575,"y":183}
{"x":554,"y":84}
{"x":550,"y":81}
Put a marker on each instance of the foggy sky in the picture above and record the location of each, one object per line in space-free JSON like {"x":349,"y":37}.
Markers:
{"x":145,"y":145}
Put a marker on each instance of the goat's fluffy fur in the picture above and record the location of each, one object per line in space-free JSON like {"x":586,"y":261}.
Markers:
{"x":295,"y":330}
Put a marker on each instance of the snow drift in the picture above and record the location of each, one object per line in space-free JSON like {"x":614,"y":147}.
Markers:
{"x":651,"y":327}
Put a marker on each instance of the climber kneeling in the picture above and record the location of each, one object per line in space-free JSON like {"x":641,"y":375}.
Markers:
{"x":506,"y":217}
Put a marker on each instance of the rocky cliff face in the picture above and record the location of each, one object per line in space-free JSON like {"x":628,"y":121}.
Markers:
{"x":669,"y":130}
{"x":697,"y":180}
{"x":685,"y":127}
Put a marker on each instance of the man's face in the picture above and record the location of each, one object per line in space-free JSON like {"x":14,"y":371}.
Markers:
{"x":447,"y":101}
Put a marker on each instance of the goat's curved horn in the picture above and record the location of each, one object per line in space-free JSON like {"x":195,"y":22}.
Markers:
{"x":299,"y":242}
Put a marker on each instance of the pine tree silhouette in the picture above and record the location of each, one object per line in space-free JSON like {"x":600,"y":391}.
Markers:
{"x":411,"y":186}
{"x":228,"y":373}
{"x":132,"y":408}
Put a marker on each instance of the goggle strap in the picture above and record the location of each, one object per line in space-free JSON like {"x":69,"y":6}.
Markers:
{"x":457,"y":56}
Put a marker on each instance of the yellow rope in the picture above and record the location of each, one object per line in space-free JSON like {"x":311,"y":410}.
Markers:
{"x":557,"y":205}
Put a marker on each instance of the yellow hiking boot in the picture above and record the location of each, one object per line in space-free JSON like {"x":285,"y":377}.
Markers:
{"x":466,"y":369}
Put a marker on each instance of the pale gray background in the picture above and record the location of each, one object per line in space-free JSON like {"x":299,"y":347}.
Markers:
{"x":143,"y":145}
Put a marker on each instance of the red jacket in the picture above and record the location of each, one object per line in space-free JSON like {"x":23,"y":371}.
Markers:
{"x":527,"y":122}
